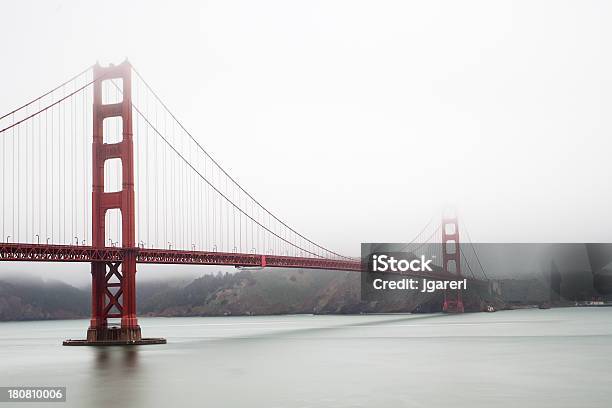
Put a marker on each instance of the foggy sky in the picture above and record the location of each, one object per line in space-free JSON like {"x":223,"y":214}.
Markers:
{"x":359,"y":121}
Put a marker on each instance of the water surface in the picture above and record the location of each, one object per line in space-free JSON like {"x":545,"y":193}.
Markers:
{"x":523,"y":358}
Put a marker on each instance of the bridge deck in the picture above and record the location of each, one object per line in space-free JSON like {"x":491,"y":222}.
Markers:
{"x":73,"y":253}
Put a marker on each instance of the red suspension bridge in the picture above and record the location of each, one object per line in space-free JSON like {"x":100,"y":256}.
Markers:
{"x":99,"y":170}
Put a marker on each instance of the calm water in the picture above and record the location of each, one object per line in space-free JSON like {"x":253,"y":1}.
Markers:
{"x":533,"y":358}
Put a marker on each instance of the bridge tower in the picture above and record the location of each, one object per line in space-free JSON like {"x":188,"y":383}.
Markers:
{"x":451,"y":258}
{"x":113,"y":283}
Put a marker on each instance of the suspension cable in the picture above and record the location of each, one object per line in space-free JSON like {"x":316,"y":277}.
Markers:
{"x":226,"y":174}
{"x":215,"y":188}
{"x":53,"y":104}
{"x":474,"y":249}
{"x":47,"y":93}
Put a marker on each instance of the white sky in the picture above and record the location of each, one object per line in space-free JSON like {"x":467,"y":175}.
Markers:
{"x":357,"y":121}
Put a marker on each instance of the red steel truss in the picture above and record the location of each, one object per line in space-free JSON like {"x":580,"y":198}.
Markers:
{"x":68,"y":253}
{"x":157,"y":256}
{"x":58,"y":253}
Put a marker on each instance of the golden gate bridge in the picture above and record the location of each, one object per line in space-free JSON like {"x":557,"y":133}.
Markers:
{"x":99,"y":170}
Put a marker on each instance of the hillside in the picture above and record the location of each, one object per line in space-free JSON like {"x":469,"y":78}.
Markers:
{"x":39,"y":300}
{"x":242,"y":293}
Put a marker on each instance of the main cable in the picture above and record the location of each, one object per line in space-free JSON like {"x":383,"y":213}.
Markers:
{"x":46,"y":93}
{"x":226,"y":174}
{"x":212,"y":186}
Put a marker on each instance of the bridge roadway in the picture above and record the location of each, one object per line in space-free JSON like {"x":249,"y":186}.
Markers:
{"x":74,"y":253}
